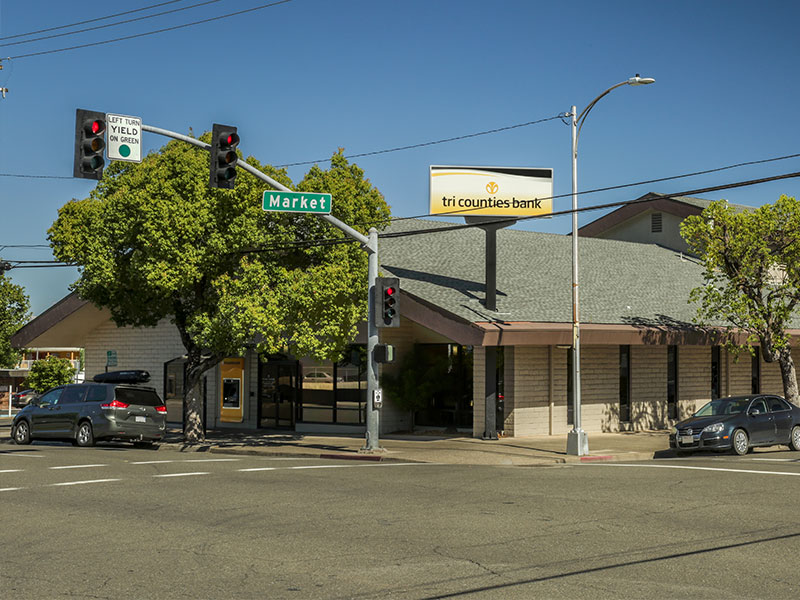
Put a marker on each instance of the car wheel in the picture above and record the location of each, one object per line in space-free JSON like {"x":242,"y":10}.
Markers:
{"x":794,"y":438}
{"x":741,"y":442}
{"x":22,"y":433}
{"x":85,"y":436}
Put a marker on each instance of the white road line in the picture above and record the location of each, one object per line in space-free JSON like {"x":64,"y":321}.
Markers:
{"x":205,"y":460}
{"x":182,"y":474}
{"x":776,"y":459}
{"x":76,"y":467}
{"x":258,"y":469}
{"x":11,"y":471}
{"x":82,"y":482}
{"x":688,"y":468}
{"x":10,"y":489}
{"x":23,"y":454}
{"x":152,"y":462}
{"x":352,"y":466}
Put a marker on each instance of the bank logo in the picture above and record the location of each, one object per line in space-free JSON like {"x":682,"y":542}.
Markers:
{"x":492,"y":187}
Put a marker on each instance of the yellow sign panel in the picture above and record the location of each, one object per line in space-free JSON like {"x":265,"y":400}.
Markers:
{"x":491,"y":191}
{"x":231,"y":397}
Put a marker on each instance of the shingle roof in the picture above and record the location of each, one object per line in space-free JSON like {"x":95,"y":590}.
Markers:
{"x":619,"y":282}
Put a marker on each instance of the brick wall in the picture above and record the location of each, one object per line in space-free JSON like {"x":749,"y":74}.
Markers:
{"x":527,"y":391}
{"x":648,"y":387}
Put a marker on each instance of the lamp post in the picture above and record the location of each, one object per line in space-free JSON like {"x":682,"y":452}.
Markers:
{"x":577,"y":442}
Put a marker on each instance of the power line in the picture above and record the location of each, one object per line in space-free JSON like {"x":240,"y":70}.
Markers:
{"x":501,"y":220}
{"x":138,"y":35}
{"x":127,"y":12}
{"x":420,"y":145}
{"x":628,"y":185}
{"x":166,"y":12}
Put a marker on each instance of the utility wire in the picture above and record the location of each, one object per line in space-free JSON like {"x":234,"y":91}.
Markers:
{"x":127,"y":12}
{"x":138,"y":35}
{"x":423,"y":144}
{"x":501,"y":220}
{"x":166,"y":12}
{"x":625,"y":185}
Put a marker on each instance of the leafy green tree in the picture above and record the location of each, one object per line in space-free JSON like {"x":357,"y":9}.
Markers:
{"x":49,"y":372}
{"x":153,"y":241}
{"x":752,"y":276}
{"x":14,"y":313}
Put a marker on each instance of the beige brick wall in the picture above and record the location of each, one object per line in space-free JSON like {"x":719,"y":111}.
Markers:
{"x":145,"y":348}
{"x":478,"y":398}
{"x":648,"y":387}
{"x":527,"y":391}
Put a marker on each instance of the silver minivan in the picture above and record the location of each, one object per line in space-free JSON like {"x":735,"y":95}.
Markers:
{"x":113,"y":407}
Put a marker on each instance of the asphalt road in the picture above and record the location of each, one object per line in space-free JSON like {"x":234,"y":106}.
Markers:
{"x":115,"y":522}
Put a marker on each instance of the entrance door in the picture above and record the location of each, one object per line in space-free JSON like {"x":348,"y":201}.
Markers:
{"x":277,"y":394}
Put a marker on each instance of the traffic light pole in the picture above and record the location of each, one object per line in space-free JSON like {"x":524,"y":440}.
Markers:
{"x":370,"y":246}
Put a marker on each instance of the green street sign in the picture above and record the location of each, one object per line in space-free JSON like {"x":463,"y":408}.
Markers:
{"x":297,"y":202}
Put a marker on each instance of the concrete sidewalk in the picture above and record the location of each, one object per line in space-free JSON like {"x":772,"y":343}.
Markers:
{"x":434,"y":447}
{"x":446,"y":449}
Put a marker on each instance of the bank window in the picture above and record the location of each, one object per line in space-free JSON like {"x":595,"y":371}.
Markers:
{"x":755,"y":370}
{"x":624,"y":384}
{"x":672,"y":382}
{"x":715,"y":372}
{"x":335,"y":392}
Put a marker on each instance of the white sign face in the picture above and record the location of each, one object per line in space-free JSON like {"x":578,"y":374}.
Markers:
{"x":123,"y":138}
{"x":491,"y":191}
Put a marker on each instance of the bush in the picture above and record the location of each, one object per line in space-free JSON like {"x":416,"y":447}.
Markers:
{"x":50,"y":372}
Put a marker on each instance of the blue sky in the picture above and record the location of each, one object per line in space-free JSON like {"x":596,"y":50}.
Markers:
{"x":303,"y":78}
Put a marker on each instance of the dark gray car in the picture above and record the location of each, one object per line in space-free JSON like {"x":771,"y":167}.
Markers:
{"x":86,"y":412}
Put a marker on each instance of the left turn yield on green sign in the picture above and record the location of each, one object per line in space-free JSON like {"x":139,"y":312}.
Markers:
{"x":123,"y":138}
{"x":297,"y":202}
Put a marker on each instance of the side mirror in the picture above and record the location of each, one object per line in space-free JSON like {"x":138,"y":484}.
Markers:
{"x":754,"y":412}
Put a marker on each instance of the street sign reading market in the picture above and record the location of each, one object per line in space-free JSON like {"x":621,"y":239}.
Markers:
{"x":297,"y":202}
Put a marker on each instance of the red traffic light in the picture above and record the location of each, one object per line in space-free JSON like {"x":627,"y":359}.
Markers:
{"x":389,"y":291}
{"x":229,"y":139}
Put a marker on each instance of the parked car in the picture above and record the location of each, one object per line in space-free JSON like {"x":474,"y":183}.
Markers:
{"x":319,"y":377}
{"x":22,"y":398}
{"x":113,"y":407}
{"x":739,"y":423}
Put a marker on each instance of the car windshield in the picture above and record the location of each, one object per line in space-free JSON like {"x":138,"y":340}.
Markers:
{"x":723,"y":406}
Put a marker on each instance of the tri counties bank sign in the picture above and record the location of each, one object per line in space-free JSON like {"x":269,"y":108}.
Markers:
{"x":491,"y":191}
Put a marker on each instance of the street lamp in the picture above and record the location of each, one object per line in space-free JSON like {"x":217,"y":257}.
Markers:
{"x":577,"y":442}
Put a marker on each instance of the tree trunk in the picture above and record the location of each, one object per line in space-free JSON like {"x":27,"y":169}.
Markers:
{"x":192,"y":408}
{"x":789,"y":377}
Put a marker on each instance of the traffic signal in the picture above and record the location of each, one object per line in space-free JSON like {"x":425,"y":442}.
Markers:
{"x":90,"y":134}
{"x":222,"y":172}
{"x":387,"y":290}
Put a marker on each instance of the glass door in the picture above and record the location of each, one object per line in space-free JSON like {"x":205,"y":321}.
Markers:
{"x":277,"y":393}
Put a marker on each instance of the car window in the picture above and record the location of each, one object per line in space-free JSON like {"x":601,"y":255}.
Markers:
{"x":51,"y":397}
{"x":758,"y":405}
{"x":141,"y":396}
{"x":97,"y":393}
{"x":72,"y":394}
{"x":777,"y":404}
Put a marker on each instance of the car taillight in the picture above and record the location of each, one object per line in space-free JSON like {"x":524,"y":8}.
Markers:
{"x":114,"y":404}
{"x":161,"y":409}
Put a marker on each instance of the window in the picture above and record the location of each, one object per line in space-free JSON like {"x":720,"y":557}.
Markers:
{"x":715,"y":372}
{"x":51,"y":397}
{"x":97,"y":393}
{"x":672,"y":382}
{"x":758,"y":405}
{"x":777,"y":404}
{"x":72,"y":394}
{"x":624,"y":384}
{"x":755,"y":370}
{"x":335,"y":392}
{"x":655,"y":223}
